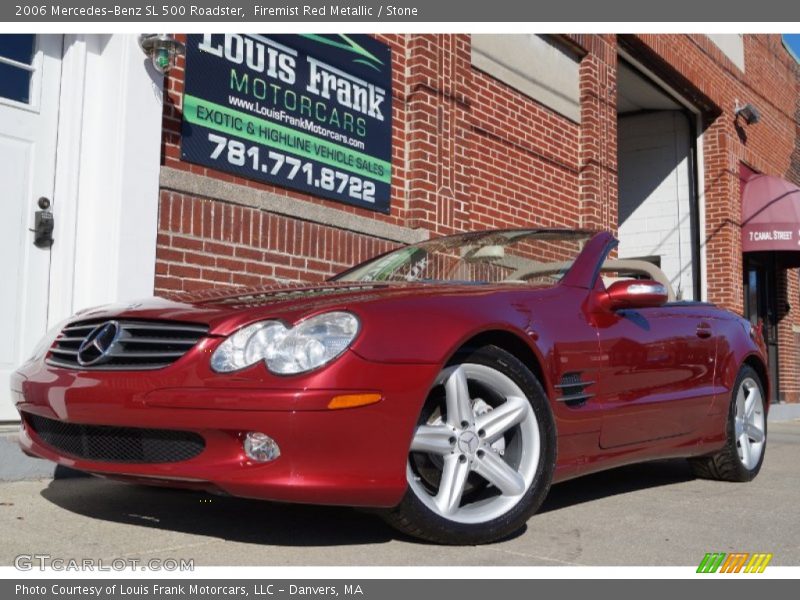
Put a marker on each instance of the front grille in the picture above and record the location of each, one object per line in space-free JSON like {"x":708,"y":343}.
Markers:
{"x":104,"y":443}
{"x":130,"y":344}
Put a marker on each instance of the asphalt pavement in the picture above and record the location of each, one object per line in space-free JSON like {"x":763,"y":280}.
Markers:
{"x":650,"y":514}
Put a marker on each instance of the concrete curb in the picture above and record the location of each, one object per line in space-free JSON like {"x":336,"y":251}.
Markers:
{"x":16,"y":466}
{"x":784,"y":412}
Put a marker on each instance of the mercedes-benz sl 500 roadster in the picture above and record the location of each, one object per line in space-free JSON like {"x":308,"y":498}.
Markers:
{"x":447,"y":383}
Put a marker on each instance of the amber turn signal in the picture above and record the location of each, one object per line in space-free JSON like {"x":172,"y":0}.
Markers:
{"x":353,"y":400}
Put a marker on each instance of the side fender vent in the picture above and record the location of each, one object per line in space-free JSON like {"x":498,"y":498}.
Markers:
{"x":571,"y":390}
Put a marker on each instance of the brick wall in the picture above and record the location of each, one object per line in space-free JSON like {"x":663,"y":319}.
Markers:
{"x":525,"y":164}
{"x":202,"y":243}
{"x":469,"y":152}
{"x":793,"y":172}
{"x":790,"y":341}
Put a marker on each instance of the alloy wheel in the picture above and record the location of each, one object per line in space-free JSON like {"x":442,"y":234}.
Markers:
{"x":482,"y":443}
{"x":749,"y":423}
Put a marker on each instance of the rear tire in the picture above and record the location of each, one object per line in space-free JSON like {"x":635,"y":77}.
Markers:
{"x":483,"y":454}
{"x":743,"y":454}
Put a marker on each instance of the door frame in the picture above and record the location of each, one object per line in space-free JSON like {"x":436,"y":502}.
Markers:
{"x":695,"y":117}
{"x":764,"y":267}
{"x":107,"y":174}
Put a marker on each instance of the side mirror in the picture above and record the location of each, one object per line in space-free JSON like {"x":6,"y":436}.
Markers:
{"x":635,"y":293}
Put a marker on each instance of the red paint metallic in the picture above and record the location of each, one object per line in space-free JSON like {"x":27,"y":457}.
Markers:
{"x":660,"y":378}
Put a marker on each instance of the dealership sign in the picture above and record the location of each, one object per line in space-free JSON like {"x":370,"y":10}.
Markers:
{"x":307,"y":112}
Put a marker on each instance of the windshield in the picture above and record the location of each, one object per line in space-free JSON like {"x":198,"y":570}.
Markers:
{"x":534,"y":256}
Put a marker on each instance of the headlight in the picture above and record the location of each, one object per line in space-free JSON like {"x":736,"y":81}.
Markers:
{"x":312,"y":342}
{"x":247,"y":346}
{"x":308,"y":345}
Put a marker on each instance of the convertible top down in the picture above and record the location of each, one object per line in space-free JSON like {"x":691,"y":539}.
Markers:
{"x":448,"y":383}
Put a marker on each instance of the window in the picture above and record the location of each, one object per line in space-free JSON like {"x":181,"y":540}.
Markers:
{"x":16,"y":66}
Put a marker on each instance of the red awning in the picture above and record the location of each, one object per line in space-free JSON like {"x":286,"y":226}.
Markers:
{"x":771,"y":216}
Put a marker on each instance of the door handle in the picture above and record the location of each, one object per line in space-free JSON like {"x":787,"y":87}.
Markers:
{"x":43,"y":225}
{"x":703,"y":330}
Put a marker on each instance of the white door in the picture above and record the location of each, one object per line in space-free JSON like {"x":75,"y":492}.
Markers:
{"x":30,"y":73}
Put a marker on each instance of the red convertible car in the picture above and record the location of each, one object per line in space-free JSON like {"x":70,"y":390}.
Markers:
{"x":449,"y":383}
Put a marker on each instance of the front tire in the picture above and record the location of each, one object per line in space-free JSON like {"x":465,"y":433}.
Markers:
{"x":483,"y":454}
{"x":743,"y":454}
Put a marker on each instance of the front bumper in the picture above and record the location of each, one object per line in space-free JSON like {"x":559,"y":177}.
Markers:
{"x":354,"y":456}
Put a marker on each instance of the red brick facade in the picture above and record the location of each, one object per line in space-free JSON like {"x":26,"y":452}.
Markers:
{"x":469,"y":152}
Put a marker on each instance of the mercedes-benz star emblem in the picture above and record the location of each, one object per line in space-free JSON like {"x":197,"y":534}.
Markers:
{"x":468,"y":442}
{"x":96,"y":348}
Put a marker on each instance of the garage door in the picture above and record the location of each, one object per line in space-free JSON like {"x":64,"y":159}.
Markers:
{"x":656,"y":194}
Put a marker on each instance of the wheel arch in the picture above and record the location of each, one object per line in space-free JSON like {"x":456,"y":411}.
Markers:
{"x":759,"y":366}
{"x":512,"y":343}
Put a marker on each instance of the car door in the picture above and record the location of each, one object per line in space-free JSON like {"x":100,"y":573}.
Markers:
{"x":563,"y":331}
{"x":656,"y":372}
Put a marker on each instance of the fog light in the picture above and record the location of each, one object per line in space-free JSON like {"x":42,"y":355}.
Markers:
{"x":260,"y":447}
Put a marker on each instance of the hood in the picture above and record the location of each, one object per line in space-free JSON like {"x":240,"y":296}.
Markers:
{"x":226,"y":310}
